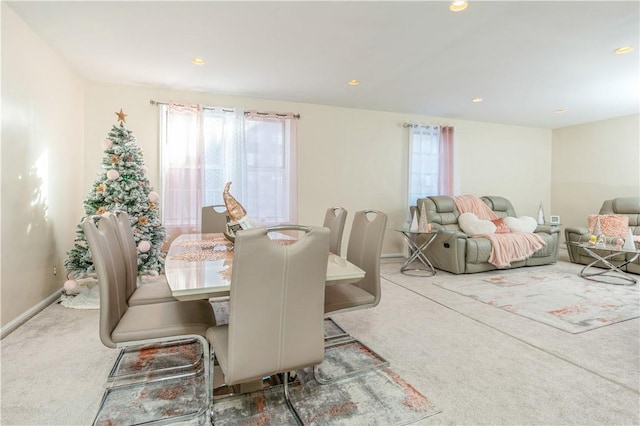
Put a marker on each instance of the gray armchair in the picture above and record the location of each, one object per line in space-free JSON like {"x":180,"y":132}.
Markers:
{"x":629,"y":206}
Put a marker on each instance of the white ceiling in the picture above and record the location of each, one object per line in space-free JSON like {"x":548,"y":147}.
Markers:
{"x":526,"y":59}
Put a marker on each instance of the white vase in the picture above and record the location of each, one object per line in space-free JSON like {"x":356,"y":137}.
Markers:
{"x":414,"y":222}
{"x":628,"y":242}
{"x":541,"y":215}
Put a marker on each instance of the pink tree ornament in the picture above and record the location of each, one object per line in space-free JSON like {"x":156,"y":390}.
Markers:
{"x":144,"y":246}
{"x":113,"y":175}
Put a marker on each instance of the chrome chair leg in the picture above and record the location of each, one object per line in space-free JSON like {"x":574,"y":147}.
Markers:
{"x":340,"y":332}
{"x":211,"y":359}
{"x":115,"y":375}
{"x":208,"y":375}
{"x":288,"y":400}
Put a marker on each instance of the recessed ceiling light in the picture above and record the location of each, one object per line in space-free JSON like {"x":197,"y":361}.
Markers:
{"x":353,"y":82}
{"x":197,"y":61}
{"x":457,"y":6}
{"x":559,"y":111}
{"x":476,"y":100}
{"x":622,"y":50}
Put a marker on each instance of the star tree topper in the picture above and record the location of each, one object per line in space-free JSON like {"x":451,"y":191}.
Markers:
{"x":121,"y":116}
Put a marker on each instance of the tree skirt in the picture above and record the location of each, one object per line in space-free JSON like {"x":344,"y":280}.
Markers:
{"x":87,"y":294}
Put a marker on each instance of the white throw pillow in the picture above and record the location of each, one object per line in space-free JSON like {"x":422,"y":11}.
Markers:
{"x":471,"y":225}
{"x":521,"y":224}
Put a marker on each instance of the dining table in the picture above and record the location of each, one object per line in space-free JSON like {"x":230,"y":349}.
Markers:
{"x":199,"y":266}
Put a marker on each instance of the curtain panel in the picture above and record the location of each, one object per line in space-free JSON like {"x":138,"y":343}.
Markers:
{"x":203,"y":148}
{"x":430,"y":161}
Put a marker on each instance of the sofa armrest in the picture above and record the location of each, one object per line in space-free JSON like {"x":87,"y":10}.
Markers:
{"x":576,"y":233}
{"x":449,"y":232}
{"x":457,"y":234}
{"x":547,"y":229}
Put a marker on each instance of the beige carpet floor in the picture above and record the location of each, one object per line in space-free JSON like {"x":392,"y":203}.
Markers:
{"x":479,"y":364}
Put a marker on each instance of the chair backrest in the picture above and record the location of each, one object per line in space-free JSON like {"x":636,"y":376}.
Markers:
{"x":214,"y":219}
{"x":335,"y":219}
{"x":365,"y":247}
{"x":129,"y":249}
{"x":500,"y":205}
{"x":277,"y":303}
{"x":441,"y":210}
{"x":112,"y":278}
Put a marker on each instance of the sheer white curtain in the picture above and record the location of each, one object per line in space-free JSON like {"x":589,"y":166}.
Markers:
{"x":430,"y":161}
{"x":224,"y":156}
{"x":203,"y":148}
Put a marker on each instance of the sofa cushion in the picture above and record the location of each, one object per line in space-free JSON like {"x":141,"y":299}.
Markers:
{"x":611,"y":225}
{"x":501,"y":226}
{"x":521,"y":224}
{"x":471,"y":225}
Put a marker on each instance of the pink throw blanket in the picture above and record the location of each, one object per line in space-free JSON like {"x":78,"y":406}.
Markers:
{"x":473,"y":204}
{"x":505,"y":248}
{"x":511,"y":247}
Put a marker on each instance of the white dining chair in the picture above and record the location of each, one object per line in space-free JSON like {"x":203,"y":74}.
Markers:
{"x":335,"y":219}
{"x":276,"y":309}
{"x":364,"y":250}
{"x":123,"y":326}
{"x":158,"y":290}
{"x":214,"y":219}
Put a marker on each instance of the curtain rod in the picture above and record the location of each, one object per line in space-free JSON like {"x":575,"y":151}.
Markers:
{"x":424,"y":125}
{"x":419,"y":125}
{"x":152,"y":102}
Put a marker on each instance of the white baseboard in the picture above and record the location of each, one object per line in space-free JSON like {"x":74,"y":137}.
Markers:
{"x":25,"y":316}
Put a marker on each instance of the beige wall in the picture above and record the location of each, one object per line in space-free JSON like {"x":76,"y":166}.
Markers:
{"x":42,"y":166}
{"x":348,"y":157}
{"x":594,"y":162}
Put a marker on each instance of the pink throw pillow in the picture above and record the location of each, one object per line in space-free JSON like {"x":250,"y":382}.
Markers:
{"x":501,"y":226}
{"x":611,"y":225}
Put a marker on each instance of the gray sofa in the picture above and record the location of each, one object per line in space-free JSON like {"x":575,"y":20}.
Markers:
{"x":629,"y":206}
{"x":458,"y":253}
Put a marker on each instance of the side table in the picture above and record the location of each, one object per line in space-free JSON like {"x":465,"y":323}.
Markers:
{"x":614,"y":272}
{"x":423,"y":267}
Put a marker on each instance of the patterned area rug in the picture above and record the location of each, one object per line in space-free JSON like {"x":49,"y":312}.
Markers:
{"x":377,"y":396}
{"x":554,"y":295}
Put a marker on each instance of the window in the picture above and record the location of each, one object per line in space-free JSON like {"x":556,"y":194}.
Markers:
{"x":430,"y":161}
{"x":203,"y":148}
{"x":270,"y":163}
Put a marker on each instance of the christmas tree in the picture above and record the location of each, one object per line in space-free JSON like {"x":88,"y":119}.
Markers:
{"x":122,"y":185}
